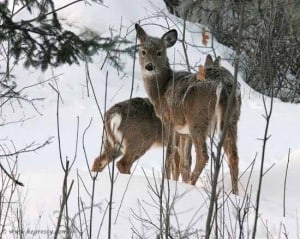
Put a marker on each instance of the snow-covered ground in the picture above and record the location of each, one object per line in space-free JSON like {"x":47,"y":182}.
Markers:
{"x":43,"y":176}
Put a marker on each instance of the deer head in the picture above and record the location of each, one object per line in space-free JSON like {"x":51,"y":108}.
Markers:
{"x":152,"y":50}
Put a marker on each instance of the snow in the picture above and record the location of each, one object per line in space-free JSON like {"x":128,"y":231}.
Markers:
{"x":43,"y":176}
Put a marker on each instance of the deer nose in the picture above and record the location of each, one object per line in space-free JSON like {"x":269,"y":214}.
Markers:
{"x":149,"y":67}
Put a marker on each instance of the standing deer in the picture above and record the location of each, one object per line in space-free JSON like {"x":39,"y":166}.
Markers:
{"x":190,"y":106}
{"x":131,"y":129}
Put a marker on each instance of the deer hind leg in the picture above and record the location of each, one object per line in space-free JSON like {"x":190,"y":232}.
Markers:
{"x":198,"y":136}
{"x":100,"y":163}
{"x":230,"y":148}
{"x":201,"y":161}
{"x":125,"y":163}
{"x":108,"y":155}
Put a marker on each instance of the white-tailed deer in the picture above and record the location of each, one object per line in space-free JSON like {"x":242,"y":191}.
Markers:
{"x":131,"y":129}
{"x":191,"y":106}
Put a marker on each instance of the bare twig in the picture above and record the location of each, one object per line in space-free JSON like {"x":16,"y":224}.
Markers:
{"x":10,"y":176}
{"x":58,"y":128}
{"x":267,"y":116}
{"x":66,"y":168}
{"x":285,"y":180}
{"x":184,"y":45}
{"x":228,"y":112}
{"x":66,"y":194}
{"x":28,"y":149}
{"x":93,"y":181}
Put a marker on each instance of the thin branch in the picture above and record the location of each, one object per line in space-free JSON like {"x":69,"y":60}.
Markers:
{"x":58,"y":128}
{"x":27,"y":149}
{"x":268,"y":114}
{"x":285,"y":180}
{"x":228,"y":112}
{"x":10,"y":176}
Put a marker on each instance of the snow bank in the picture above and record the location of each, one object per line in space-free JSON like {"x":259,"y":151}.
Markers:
{"x":41,"y":171}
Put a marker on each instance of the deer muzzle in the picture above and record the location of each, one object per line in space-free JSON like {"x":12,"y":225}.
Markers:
{"x":149,"y":67}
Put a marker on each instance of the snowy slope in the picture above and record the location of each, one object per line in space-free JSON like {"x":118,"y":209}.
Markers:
{"x":41,"y":171}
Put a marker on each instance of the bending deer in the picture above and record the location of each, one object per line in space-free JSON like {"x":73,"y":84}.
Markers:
{"x":132,"y":128}
{"x":190,"y":106}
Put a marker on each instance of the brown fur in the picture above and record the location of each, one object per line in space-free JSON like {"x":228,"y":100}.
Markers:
{"x":184,"y":102}
{"x":139,"y":129}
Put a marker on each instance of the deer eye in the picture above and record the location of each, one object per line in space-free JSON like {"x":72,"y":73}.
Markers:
{"x":143,"y":53}
{"x":158,"y":53}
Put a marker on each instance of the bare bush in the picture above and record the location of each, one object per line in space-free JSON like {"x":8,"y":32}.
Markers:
{"x":267,"y":22}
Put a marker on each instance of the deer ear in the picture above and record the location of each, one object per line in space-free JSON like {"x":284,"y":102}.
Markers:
{"x":140,"y":32}
{"x":217,"y":62}
{"x":208,"y":61}
{"x":170,"y":38}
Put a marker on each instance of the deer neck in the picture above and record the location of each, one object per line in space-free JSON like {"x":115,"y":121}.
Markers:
{"x":156,"y":84}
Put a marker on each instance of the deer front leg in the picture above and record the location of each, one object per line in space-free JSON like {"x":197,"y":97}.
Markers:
{"x":177,"y":159}
{"x":185,"y":157}
{"x":170,"y":152}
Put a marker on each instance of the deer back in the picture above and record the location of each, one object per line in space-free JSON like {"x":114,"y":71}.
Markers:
{"x":135,"y":122}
